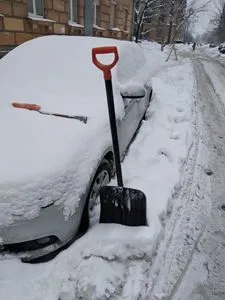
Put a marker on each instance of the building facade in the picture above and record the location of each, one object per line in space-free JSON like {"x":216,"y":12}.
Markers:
{"x":163,"y":25}
{"x":22,"y":20}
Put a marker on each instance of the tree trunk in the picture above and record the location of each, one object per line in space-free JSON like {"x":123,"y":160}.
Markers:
{"x":140,"y":23}
{"x":170,"y":32}
{"x":137,"y":32}
{"x":171,"y":22}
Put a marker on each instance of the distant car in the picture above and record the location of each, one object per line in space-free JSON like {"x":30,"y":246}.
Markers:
{"x":179,"y":42}
{"x":51,"y":167}
{"x":221,"y":48}
{"x":212,"y":45}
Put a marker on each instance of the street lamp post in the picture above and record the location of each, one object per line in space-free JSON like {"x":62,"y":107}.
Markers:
{"x":132,"y":21}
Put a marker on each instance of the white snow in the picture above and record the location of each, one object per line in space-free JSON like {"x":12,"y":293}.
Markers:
{"x":40,"y":18}
{"x":111,"y":261}
{"x":75,"y":24}
{"x":115,"y":29}
{"x":38,"y":152}
{"x":213,"y":52}
{"x":98,"y":27}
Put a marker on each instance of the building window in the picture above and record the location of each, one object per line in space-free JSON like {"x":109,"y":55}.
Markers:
{"x":73,"y":10}
{"x":113,"y":14}
{"x":96,"y":13}
{"x":35,"y":7}
{"x":125,"y":19}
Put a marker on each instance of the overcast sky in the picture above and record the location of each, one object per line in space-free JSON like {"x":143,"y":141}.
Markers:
{"x":204,"y":18}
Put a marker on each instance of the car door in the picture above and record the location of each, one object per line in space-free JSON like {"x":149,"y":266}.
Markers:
{"x":128,"y":125}
{"x":142,"y":105}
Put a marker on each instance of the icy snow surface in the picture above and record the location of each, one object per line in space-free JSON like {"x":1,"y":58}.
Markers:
{"x":111,"y":261}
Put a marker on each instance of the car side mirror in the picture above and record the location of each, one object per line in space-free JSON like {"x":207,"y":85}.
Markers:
{"x":133,"y":91}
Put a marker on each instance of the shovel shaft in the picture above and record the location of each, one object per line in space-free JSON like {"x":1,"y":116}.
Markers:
{"x":113,"y":126}
{"x":106,"y":69}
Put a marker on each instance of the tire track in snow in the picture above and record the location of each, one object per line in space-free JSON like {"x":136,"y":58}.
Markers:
{"x":209,"y":256}
{"x":187,"y":221}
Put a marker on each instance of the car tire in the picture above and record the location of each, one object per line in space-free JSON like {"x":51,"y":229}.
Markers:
{"x":104,"y":168}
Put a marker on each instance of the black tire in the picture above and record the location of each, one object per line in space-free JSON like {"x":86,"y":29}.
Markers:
{"x":85,"y":219}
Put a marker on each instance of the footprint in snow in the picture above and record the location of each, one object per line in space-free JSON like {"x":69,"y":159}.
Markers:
{"x":180,"y":119}
{"x":179,"y":109}
{"x":177,"y":119}
{"x":165,"y":153}
{"x":208,"y":171}
{"x":175,"y":136}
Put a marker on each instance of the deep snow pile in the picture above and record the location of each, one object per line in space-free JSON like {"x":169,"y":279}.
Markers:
{"x":111,"y":261}
{"x":213,"y":52}
{"x":38,"y":152}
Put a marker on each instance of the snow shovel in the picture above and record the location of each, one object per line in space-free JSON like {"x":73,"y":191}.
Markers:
{"x":37,"y":108}
{"x":118,"y":204}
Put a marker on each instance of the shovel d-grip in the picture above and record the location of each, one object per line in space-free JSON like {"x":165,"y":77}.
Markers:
{"x":106,"y":69}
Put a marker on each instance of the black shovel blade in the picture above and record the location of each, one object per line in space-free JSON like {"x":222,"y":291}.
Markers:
{"x":123,"y":206}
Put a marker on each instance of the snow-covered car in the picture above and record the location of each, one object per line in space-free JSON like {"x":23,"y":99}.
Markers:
{"x":53,"y":167}
{"x":221,"y":48}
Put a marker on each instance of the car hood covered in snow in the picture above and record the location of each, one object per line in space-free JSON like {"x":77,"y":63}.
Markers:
{"x":38,"y":153}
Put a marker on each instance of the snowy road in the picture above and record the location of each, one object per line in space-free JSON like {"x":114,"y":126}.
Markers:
{"x":193,"y":266}
{"x":207,"y":270}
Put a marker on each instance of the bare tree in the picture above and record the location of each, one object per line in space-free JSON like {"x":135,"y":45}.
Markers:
{"x":219,"y":22}
{"x":183,"y":14}
{"x":178,"y":15}
{"x":144,"y":10}
{"x":189,"y":15}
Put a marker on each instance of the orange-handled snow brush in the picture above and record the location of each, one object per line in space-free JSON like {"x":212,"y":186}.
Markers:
{"x":37,"y":108}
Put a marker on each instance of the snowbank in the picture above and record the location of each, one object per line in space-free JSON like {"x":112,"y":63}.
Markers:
{"x":213,"y":52}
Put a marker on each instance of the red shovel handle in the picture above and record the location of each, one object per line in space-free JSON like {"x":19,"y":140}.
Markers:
{"x":26,"y":106}
{"x":105,"y":68}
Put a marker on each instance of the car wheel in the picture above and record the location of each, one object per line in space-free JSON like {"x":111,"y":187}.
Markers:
{"x":101,"y":178}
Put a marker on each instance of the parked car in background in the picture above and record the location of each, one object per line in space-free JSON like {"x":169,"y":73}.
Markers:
{"x":53,"y":167}
{"x":178,"y":42}
{"x":221,"y":48}
{"x":212,"y":45}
